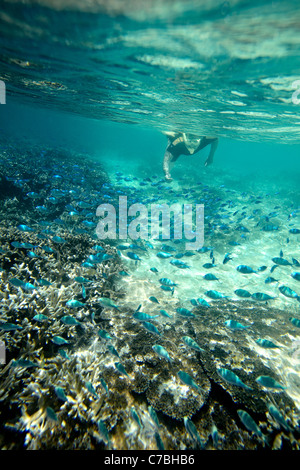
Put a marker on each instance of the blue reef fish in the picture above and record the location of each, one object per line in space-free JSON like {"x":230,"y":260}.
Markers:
{"x":226,"y":258}
{"x":203,"y":302}
{"x":16,"y":282}
{"x":265,"y":343}
{"x":213,"y":294}
{"x":167,"y":282}
{"x":192,"y":343}
{"x":133,"y":256}
{"x":103,"y":432}
{"x":57,"y":239}
{"x":161,"y":351}
{"x":23,"y":363}
{"x":159,"y":442}
{"x":74,"y":304}
{"x":184,"y":312}
{"x":163,"y":255}
{"x":275,"y":413}
{"x":141,"y":316}
{"x":242,"y":293}
{"x":294,"y":231}
{"x":179,"y":264}
{"x":187,"y":380}
{"x":44,"y":282}
{"x":296,"y":262}
{"x":153,"y":299}
{"x":242,"y":268}
{"x":250,"y":424}
{"x":112,"y":350}
{"x":63,"y":353}
{"x":165,"y":314}
{"x":235,"y":325}
{"x":268,"y":382}
{"x":296,"y":275}
{"x":9,"y":327}
{"x":295,"y":321}
{"x":168,"y":288}
{"x":232,"y":378}
{"x":135,"y":416}
{"x":154,"y":270}
{"x":91,"y":389}
{"x":39,"y":317}
{"x":261,"y":269}
{"x":60,"y":393}
{"x":107,"y":302}
{"x":68,"y":320}
{"x":210,"y":277}
{"x":121,"y":368}
{"x":285,"y":290}
{"x":281,"y":261}
{"x":209,"y":265}
{"x":150,"y":327}
{"x":104,"y":385}
{"x":192,"y":430}
{"x":104,"y":335}
{"x":51,"y":414}
{"x":153,"y":416}
{"x":59,"y":340}
{"x":82,"y":280}
{"x":261,"y":296}
{"x":270,"y":279}
{"x":25,"y":228}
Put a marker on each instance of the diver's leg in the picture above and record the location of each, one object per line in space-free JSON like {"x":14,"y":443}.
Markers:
{"x":213,"y":142}
{"x":168,"y":162}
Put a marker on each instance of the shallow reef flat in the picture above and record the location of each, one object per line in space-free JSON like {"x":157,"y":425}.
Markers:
{"x":106,"y":351}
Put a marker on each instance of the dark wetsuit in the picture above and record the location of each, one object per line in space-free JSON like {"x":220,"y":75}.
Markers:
{"x":177,"y":146}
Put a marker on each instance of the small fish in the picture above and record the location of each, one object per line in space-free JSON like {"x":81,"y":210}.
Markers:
{"x":203,"y":302}
{"x":9,"y":327}
{"x":261,"y":296}
{"x":154,"y":270}
{"x":278,"y":416}
{"x":269,"y":382}
{"x":60,"y":393}
{"x":210,"y":277}
{"x":208,"y":265}
{"x":192,"y":430}
{"x":184,"y":312}
{"x":68,"y":320}
{"x":187,"y":380}
{"x":213,"y":294}
{"x":121,"y":368}
{"x":103,"y":431}
{"x":82,"y":280}
{"x":133,"y":256}
{"x":91,"y":389}
{"x":215,"y":435}
{"x":57,"y":239}
{"x":162,"y":352}
{"x":250,"y":424}
{"x":104,"y":335}
{"x":295,"y":322}
{"x":269,"y":280}
{"x":179,"y":264}
{"x":104,"y":385}
{"x":159,"y":442}
{"x":165,"y":314}
{"x":40,"y":317}
{"x":150,"y":327}
{"x":262,"y":268}
{"x":107,"y":302}
{"x":242,"y":268}
{"x":153,"y":416}
{"x":232,"y":378}
{"x":74,"y":304}
{"x":163,"y":255}
{"x":226,"y":258}
{"x":135,"y":416}
{"x":296,"y":276}
{"x":153,"y":299}
{"x":295,"y":231}
{"x":295,"y":262}
{"x":192,"y":344}
{"x":25,"y":228}
{"x":167,"y":282}
{"x":59,"y":340}
{"x":141,"y":316}
{"x":44,"y":282}
{"x":23,"y":363}
{"x":242,"y":293}
{"x":288,"y":292}
{"x":265,"y":343}
{"x":112,"y":350}
{"x":16,"y":282}
{"x":281,"y":261}
{"x":63,"y":353}
{"x":235,"y":325}
{"x":51,"y":414}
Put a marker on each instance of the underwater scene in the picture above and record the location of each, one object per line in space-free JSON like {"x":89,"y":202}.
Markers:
{"x":150,"y":225}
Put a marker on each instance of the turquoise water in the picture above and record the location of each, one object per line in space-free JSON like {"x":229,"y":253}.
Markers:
{"x":90,"y":89}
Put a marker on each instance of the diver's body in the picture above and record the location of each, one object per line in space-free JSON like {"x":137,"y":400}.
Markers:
{"x":180,"y":143}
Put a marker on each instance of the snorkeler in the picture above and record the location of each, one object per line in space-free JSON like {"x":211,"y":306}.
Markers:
{"x":180,"y":143}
